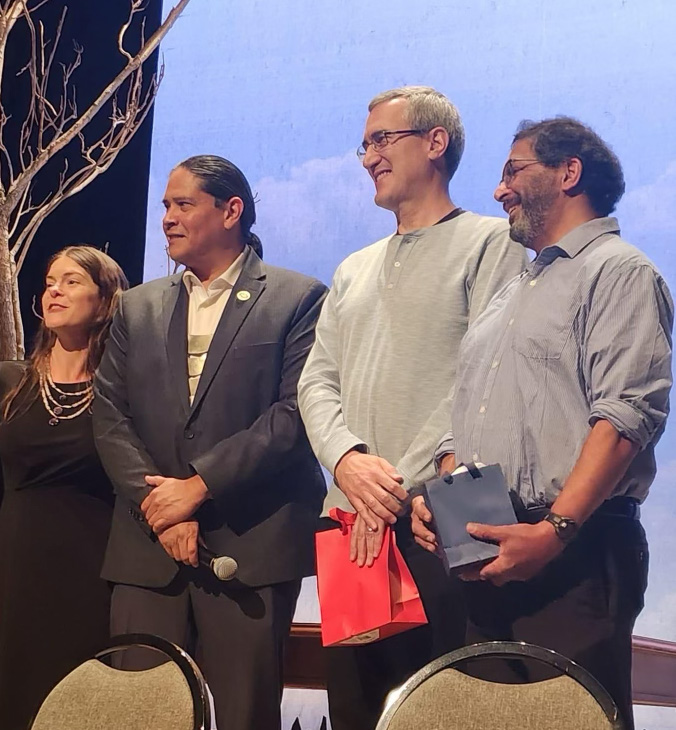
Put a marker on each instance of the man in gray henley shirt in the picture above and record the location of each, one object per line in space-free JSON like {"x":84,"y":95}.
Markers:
{"x":374,"y":394}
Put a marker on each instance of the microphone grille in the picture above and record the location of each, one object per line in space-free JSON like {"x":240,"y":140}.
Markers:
{"x":224,"y":567}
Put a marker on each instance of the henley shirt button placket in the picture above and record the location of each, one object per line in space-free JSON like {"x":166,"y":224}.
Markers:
{"x":396,"y":265}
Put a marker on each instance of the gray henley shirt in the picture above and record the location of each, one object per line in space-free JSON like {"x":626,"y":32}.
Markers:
{"x":383,"y":365}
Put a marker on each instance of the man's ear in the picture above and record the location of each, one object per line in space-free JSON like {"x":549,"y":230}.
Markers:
{"x":572,"y":174}
{"x":438,"y":142}
{"x":232,"y":212}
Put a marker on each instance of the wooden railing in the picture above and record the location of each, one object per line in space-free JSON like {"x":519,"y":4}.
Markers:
{"x":305,"y":664}
{"x":654,"y":672}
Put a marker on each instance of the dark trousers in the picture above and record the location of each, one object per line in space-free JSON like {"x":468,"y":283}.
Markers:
{"x":583,"y":605}
{"x":235,"y":633}
{"x":360,"y":677}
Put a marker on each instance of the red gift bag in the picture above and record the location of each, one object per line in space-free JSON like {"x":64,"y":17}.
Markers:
{"x":362,"y":605}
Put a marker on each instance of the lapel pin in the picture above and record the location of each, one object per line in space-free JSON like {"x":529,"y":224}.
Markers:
{"x":243,"y":296}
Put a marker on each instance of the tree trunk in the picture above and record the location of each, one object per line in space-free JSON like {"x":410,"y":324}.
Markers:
{"x":8,"y":306}
{"x":18,"y":323}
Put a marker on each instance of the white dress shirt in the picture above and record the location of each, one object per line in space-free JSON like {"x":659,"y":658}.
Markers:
{"x":205,"y":309}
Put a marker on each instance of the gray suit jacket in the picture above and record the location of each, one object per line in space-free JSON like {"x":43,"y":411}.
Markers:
{"x":243,"y":433}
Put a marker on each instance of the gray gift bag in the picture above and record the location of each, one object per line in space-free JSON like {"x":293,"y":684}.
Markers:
{"x":479,"y":494}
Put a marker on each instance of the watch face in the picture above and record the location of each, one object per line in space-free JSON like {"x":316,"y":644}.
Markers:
{"x":564,"y":526}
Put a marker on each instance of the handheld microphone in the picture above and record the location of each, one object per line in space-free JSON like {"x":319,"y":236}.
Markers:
{"x":222,"y":566}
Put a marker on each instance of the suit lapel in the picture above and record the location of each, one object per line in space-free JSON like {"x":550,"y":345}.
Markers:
{"x":248,"y":288}
{"x":175,"y":312}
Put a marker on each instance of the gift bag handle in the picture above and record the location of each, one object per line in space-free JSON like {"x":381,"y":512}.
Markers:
{"x":472,"y":469}
{"x":343,"y":518}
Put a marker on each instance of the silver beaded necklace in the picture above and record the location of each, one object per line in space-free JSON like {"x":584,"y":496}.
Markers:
{"x":56,"y":401}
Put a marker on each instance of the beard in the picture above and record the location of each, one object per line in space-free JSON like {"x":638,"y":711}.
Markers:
{"x":529,"y":223}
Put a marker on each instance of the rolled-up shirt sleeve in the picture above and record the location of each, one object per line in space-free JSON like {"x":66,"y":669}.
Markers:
{"x":628,"y":352}
{"x":445,"y":447}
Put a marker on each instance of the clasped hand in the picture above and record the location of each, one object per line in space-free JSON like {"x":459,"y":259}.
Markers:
{"x":373,"y":487}
{"x":172,"y":501}
{"x":180,"y":542}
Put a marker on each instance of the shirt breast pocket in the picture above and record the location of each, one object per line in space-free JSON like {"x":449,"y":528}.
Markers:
{"x":542,"y":337}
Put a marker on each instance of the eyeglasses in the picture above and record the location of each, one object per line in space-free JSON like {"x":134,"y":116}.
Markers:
{"x":383,"y":137}
{"x":509,"y":172}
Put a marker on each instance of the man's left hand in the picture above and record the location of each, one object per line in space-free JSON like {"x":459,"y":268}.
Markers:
{"x":365,"y":544}
{"x":172,"y":500}
{"x":524,"y":551}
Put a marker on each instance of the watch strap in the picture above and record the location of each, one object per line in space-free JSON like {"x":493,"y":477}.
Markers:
{"x":565,"y":527}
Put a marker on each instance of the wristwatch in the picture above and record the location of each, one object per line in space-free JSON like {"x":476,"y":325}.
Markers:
{"x":566,"y":528}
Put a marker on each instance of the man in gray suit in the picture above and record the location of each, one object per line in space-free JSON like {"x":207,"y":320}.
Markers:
{"x":197,"y":426}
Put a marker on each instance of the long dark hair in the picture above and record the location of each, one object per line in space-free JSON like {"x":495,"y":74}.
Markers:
{"x":220,"y":178}
{"x":111,"y":281}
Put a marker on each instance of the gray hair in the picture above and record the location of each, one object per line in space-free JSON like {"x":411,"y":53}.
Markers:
{"x":429,"y":108}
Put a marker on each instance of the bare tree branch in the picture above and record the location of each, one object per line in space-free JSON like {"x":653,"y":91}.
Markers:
{"x":16,"y":308}
{"x":41,"y":159}
{"x":24,"y":207}
{"x":38,"y":5}
{"x":44,"y":122}
{"x":137,"y":6}
{"x":9,"y":14}
{"x":45,"y":71}
{"x":3,"y":147}
{"x":32,"y":114}
{"x":99,"y":156}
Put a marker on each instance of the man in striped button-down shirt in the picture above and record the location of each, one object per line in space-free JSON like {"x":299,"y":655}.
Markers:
{"x":564,"y":381}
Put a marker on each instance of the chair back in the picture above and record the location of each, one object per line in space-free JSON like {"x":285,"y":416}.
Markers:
{"x":95,"y":696}
{"x":441,"y":697}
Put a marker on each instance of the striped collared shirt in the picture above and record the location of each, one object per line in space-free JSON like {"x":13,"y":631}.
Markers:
{"x":205,"y":309}
{"x":583,"y":334}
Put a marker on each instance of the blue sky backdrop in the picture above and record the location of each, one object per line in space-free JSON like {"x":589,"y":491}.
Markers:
{"x":281,"y":89}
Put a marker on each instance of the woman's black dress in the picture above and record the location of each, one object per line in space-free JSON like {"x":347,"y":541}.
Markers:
{"x":54,"y":522}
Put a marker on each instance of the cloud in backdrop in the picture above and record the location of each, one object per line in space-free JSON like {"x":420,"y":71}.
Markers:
{"x":321,"y":211}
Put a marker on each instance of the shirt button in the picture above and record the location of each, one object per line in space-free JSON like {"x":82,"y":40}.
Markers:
{"x":189,"y":434}
{"x":533,"y":283}
{"x":494,"y":364}
{"x":482,"y":409}
{"x":389,"y":286}
{"x":475,"y":457}
{"x":511,"y":322}
{"x":397,"y":264}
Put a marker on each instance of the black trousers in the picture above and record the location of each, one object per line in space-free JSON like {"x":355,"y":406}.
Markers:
{"x":236,"y":634}
{"x":583,"y":605}
{"x":360,"y":677}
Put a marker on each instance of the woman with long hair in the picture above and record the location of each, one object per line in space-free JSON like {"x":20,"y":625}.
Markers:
{"x":57,"y":504}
